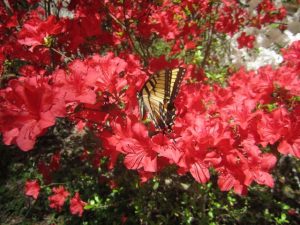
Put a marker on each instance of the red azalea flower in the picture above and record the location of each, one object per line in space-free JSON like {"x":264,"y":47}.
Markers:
{"x":164,"y":24}
{"x":55,"y":161}
{"x":145,"y":176}
{"x":273,"y":126}
{"x":292,"y":55}
{"x":108,"y":68}
{"x":28,"y":107}
{"x":124,"y":218}
{"x":230,"y":19}
{"x":78,"y":85}
{"x":36,"y":30}
{"x":228,"y":181}
{"x":80,"y":126}
{"x":246,"y":40}
{"x":291,"y":143}
{"x":113,"y":184}
{"x":259,"y":164}
{"x":292,"y":212}
{"x":287,"y":78}
{"x":29,"y":71}
{"x":157,"y":64}
{"x":45,"y":171}
{"x":200,"y":172}
{"x":59,"y":197}
{"x":77,"y":205}
{"x":132,"y":140}
{"x":32,"y":188}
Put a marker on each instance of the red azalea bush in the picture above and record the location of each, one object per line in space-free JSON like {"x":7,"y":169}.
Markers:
{"x":89,"y":65}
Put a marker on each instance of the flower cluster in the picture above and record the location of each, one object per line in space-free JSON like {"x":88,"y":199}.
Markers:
{"x":29,"y":105}
{"x":229,"y":129}
{"x":58,"y":198}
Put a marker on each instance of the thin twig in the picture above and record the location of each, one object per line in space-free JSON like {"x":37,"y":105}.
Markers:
{"x":48,"y":8}
{"x":60,"y":53}
{"x":8,"y":7}
{"x":210,"y":38}
{"x":125,"y":29}
{"x":128,"y":32}
{"x":116,"y":20}
{"x":52,"y":184}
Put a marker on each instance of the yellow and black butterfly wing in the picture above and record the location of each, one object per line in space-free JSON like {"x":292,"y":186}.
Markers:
{"x":158,"y":94}
{"x":152,"y":97}
{"x":175,"y":78}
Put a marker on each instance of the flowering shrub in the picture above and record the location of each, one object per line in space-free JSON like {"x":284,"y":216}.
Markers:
{"x":87,"y":65}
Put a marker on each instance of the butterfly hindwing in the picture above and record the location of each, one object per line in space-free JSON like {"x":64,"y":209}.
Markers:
{"x":158,"y":94}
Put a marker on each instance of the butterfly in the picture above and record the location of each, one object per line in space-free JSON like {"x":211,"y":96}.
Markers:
{"x":158,"y":94}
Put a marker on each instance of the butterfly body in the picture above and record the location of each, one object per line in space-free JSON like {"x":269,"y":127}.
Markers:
{"x":158,"y":94}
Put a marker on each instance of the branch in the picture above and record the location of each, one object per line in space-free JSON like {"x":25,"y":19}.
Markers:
{"x":207,"y":50}
{"x":116,"y":20}
{"x":8,"y":7}
{"x":128,"y":32}
{"x":60,"y":53}
{"x":125,"y":28}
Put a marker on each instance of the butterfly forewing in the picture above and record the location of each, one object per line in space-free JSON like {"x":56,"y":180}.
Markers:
{"x":177,"y":78}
